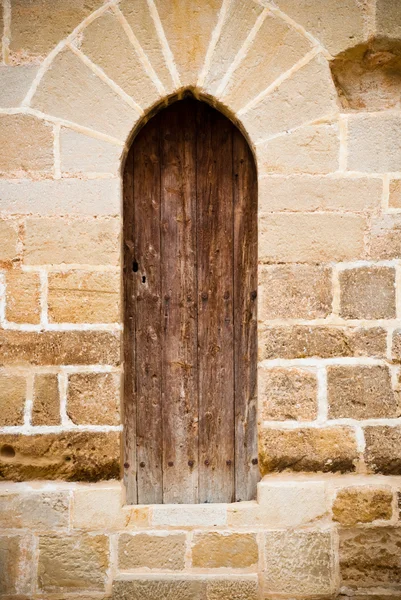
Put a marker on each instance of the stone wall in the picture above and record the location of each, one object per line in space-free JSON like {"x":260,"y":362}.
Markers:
{"x":78,"y":78}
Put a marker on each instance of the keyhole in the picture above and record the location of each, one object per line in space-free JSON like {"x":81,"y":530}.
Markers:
{"x":143,"y":279}
{"x":135,"y":266}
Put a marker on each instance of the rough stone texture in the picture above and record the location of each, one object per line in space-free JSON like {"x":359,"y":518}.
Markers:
{"x":83,"y":154}
{"x":361,"y":392}
{"x":8,"y":241}
{"x":94,"y":398}
{"x":301,"y":341}
{"x":12,"y":399}
{"x":396,"y":348}
{"x":155,"y":589}
{"x":15,"y":83}
{"x":287,"y":394}
{"x":309,"y":94}
{"x":395,"y":193}
{"x":84,"y":297}
{"x":337,"y":25}
{"x":215,"y":550}
{"x":72,"y":456}
{"x":362,"y":504}
{"x":385,"y":238}
{"x":294,"y":292}
{"x":383,"y":449}
{"x":16,"y":556}
{"x":26,"y":144}
{"x":22,"y":297}
{"x":299,"y":562}
{"x":388,"y":18}
{"x":72,"y":562}
{"x":368,"y":293}
{"x":71,"y":91}
{"x":165,"y":551}
{"x":46,"y":400}
{"x":310,"y":237}
{"x":329,"y":449}
{"x":310,"y":193}
{"x":234,"y":589}
{"x":82,"y":241}
{"x":59,"y":348}
{"x":34,"y":510}
{"x":311,"y":149}
{"x":370,"y":557}
{"x":374,"y":143}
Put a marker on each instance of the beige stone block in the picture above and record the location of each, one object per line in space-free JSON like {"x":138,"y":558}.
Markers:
{"x":74,"y":562}
{"x":383,"y":449}
{"x":22,"y":297}
{"x":309,"y":94}
{"x":311,"y":193}
{"x":65,"y":240}
{"x":8,"y":240}
{"x":395,"y":193}
{"x":98,"y":508}
{"x":311,"y":149}
{"x":294,"y":292}
{"x":12,"y":399}
{"x":232,"y":589}
{"x":71,"y":91}
{"x":385,"y":238}
{"x":59,"y":348}
{"x":60,"y":197}
{"x":16,"y":566}
{"x":71,"y":456}
{"x":362,"y":504}
{"x":287,"y":394}
{"x":42,"y":511}
{"x":46,"y":400}
{"x":190,"y":515}
{"x":370,"y":557}
{"x":368,"y":293}
{"x":94,"y":398}
{"x":374,"y":143}
{"x":302,"y":341}
{"x":275,"y":49}
{"x":14,"y":83}
{"x":327,"y":449}
{"x":156,"y":588}
{"x":151,"y":551}
{"x":388,"y":18}
{"x":26,"y":144}
{"x":291,"y":504}
{"x":299,"y":562}
{"x":83,"y":154}
{"x":84,"y":297}
{"x":216,"y":550}
{"x":188,"y":27}
{"x":337,"y":25}
{"x":311,"y":237}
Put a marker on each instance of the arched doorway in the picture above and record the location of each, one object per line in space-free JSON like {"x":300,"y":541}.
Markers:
{"x":190,"y":278}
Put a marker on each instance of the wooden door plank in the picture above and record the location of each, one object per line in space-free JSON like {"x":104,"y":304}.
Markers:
{"x":245,"y":320}
{"x":215,"y":306}
{"x":179,"y":294}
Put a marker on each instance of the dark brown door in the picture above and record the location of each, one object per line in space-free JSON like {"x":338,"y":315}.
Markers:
{"x":190,"y":276}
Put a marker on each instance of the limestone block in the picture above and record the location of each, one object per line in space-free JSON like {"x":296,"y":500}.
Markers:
{"x":8,"y":240}
{"x":59,"y":348}
{"x":362,"y":504}
{"x":383,"y":449}
{"x":84,"y":297}
{"x":232,"y":589}
{"x":16,"y":565}
{"x":294,"y":292}
{"x":22,"y":297}
{"x":83,"y":154}
{"x":368,"y":293}
{"x":328,"y":449}
{"x":395,"y":193}
{"x":14,"y":83}
{"x":151,"y":551}
{"x":192,"y":515}
{"x":311,"y":149}
{"x":274,"y":50}
{"x":94,"y":398}
{"x":309,"y":94}
{"x":337,"y":25}
{"x":12,"y":399}
{"x":72,"y":456}
{"x":311,"y":237}
{"x":26,"y":144}
{"x":388,"y":18}
{"x":310,"y":193}
{"x":156,"y":588}
{"x":361,"y":392}
{"x":287,"y":394}
{"x":291,"y":504}
{"x":396,"y":347}
{"x":73,"y":562}
{"x":107,"y":45}
{"x":64,"y":240}
{"x":301,"y":341}
{"x":374,"y":143}
{"x":97,"y":509}
{"x":46,"y":400}
{"x":71,"y":91}
{"x":216,"y":550}
{"x":299,"y":562}
{"x":42,"y":511}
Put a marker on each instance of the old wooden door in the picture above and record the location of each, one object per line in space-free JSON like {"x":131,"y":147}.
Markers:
{"x":190,"y":310}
